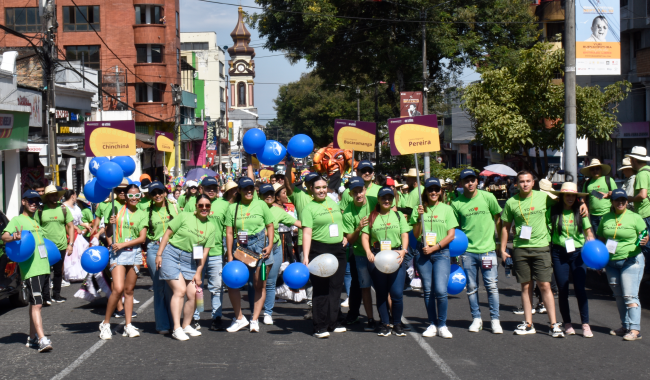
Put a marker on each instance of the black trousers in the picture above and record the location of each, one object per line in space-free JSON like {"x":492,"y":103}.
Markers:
{"x":354,"y":298}
{"x":58,"y":276}
{"x":326,"y":301}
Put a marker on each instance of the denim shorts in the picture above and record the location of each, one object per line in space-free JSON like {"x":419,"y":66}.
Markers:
{"x":365,"y":281}
{"x":124,"y":257}
{"x":176,"y":261}
{"x":256,"y":243}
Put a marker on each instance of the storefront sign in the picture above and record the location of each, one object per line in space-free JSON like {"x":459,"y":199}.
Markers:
{"x":110,"y":138}
{"x":34,"y":100}
{"x":354,"y":135}
{"x":62,"y":114}
{"x":634,"y":130}
{"x":164,"y":141}
{"x":413,"y":135}
{"x":14,"y":127}
{"x":410,"y":104}
{"x":6,"y":125}
{"x":598,"y":30}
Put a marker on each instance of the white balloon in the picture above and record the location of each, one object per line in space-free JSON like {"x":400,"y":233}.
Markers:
{"x":324,"y":265}
{"x":386,"y":262}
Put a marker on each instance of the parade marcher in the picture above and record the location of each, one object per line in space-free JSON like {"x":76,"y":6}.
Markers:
{"x":639,"y":161}
{"x":412,"y":200}
{"x":126,"y":231}
{"x":478,"y":212}
{"x":387,"y":230}
{"x":323,"y":233}
{"x":57,"y":224}
{"x":180,"y":259}
{"x":569,"y":232}
{"x":365,"y":170}
{"x":191,"y":189}
{"x":620,"y":229}
{"x":531,"y":257}
{"x":247,"y":221}
{"x":598,"y":185}
{"x":145,"y":200}
{"x":86,"y":215}
{"x":629,"y":174}
{"x":230,"y":191}
{"x":433,"y":262}
{"x":35,"y":271}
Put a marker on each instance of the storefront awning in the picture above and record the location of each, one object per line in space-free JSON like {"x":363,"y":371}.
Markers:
{"x":73,"y":153}
{"x":143,"y":144}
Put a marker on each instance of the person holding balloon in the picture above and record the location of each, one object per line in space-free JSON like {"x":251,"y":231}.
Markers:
{"x":387,"y":230}
{"x":34,"y":266}
{"x":182,"y":253}
{"x":433,"y":262}
{"x":621,"y":230}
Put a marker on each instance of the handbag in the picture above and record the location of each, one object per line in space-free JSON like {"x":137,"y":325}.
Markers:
{"x":247,"y":256}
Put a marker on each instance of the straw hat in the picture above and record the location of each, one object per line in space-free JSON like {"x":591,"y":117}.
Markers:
{"x":229,"y":186}
{"x":82,"y":198}
{"x":640,"y":153}
{"x":547,"y":187}
{"x":397,"y":184}
{"x":51,"y":189}
{"x":405,"y":186}
{"x":627,"y":164}
{"x":123,"y":184}
{"x":412,"y":172}
{"x":569,"y":188}
{"x":596,"y":162}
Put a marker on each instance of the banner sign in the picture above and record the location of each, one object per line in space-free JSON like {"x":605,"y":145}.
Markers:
{"x":110,"y":138}
{"x":413,"y":135}
{"x":164,"y":141}
{"x":410,"y":104}
{"x":354,"y":135}
{"x":598,"y":35}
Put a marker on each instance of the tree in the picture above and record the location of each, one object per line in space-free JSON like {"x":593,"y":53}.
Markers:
{"x":520,"y":106}
{"x":275,"y":130}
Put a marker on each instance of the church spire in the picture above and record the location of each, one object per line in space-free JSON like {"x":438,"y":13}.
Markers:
{"x":241,"y":37}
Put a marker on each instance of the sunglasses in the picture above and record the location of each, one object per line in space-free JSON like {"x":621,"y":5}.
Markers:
{"x":193,"y":188}
{"x":119,"y":191}
{"x":132,"y":196}
{"x":210,"y":189}
{"x":203,"y":207}
{"x":156,"y":193}
{"x":32,"y":200}
{"x":433,"y":189}
{"x":366,"y":171}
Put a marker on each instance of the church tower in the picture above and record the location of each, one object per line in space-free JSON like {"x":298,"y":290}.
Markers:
{"x":241,"y":67}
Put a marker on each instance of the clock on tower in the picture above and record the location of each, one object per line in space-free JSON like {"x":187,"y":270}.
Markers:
{"x":241,"y":66}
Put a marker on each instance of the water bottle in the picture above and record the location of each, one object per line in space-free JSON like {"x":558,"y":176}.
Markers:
{"x":508,"y":266}
{"x":199,"y":298}
{"x":642,"y":236}
{"x":263,"y":271}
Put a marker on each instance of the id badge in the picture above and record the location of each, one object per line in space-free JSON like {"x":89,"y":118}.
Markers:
{"x":384,"y":245}
{"x":526,"y":231}
{"x":242,"y":237}
{"x":42,"y":251}
{"x":486,"y":262}
{"x":431,"y":239}
{"x":570,"y":245}
{"x":611,"y":246}
{"x":334,"y":230}
{"x":197,"y":252}
{"x":129,"y":249}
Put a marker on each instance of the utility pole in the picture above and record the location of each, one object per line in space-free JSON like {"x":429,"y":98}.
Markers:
{"x":427,"y":168}
{"x":570,"y":137}
{"x":177,"y":129}
{"x":219,"y":147}
{"x":49,"y":50}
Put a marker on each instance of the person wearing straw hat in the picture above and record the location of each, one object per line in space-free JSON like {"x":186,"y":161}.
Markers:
{"x":599,"y":186}
{"x":639,"y":162}
{"x":569,"y":232}
{"x":546,"y":186}
{"x":86,"y":214}
{"x":630,"y":174}
{"x":412,"y":200}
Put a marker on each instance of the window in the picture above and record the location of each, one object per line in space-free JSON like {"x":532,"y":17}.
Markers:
{"x":241,"y":94}
{"x":141,"y":93}
{"x":195,"y":46}
{"x":221,"y":96}
{"x":636,"y":40}
{"x":222,"y":69}
{"x":178,"y":25}
{"x":141,"y":53}
{"x":149,"y":53}
{"x":157,"y":53}
{"x":145,"y":92}
{"x":142,"y":129}
{"x":148,"y":14}
{"x":89,"y":54}
{"x":623,"y":3}
{"x":23,"y":19}
{"x":76,"y":19}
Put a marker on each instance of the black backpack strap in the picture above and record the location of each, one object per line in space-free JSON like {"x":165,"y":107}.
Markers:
{"x":235,"y":218}
{"x":608,"y":179}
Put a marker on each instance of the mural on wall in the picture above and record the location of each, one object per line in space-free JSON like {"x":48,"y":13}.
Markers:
{"x":30,"y":175}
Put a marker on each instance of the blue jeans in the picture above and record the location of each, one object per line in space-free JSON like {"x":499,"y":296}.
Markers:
{"x":595,"y":221}
{"x":434,"y":270}
{"x":624,"y":277}
{"x":472,"y":264}
{"x":384,"y":284}
{"x":348,"y":278}
{"x":272,"y":278}
{"x":162,"y":293}
{"x":212,"y":274}
{"x":565,"y":264}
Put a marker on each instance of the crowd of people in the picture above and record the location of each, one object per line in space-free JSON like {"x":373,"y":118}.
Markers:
{"x":185,"y":236}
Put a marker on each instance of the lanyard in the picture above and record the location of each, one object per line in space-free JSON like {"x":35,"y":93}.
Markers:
{"x":616,"y":220}
{"x":385,"y":225}
{"x":531,"y":205}
{"x":120,"y":228}
{"x":432,"y":210}
{"x":566,"y":223}
{"x":328,"y":210}
{"x":243,"y":216}
{"x":162,"y":220}
{"x":36,"y":230}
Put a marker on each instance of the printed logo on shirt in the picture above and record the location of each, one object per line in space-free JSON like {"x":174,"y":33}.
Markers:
{"x":473,"y":211}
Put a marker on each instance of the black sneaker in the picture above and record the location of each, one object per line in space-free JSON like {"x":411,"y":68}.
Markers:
{"x":59,"y":299}
{"x":216,"y":324}
{"x":404,"y":327}
{"x":384,"y":331}
{"x":372,"y":325}
{"x":195,"y":324}
{"x":398,"y":330}
{"x":48,"y":302}
{"x":351,"y":321}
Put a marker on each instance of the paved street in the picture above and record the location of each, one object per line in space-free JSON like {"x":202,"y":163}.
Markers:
{"x":287,"y":349}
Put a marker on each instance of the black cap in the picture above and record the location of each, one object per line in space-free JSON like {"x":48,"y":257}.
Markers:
{"x":431,"y":181}
{"x":618,"y":193}
{"x":365,"y":164}
{"x":156,"y":185}
{"x":266,"y":188}
{"x":245,"y":182}
{"x":356,"y":182}
{"x":209,"y":181}
{"x":30,"y":194}
{"x":467,"y":173}
{"x":386,"y":190}
{"x":145,"y":183}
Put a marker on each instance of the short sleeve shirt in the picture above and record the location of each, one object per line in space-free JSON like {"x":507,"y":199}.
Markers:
{"x":476,"y":219}
{"x":189,"y":231}
{"x":300,"y":199}
{"x":218,"y":217}
{"x":280,"y":216}
{"x":130,"y":224}
{"x":642,"y":181}
{"x":389,"y":227}
{"x":569,"y":229}
{"x":599,"y":207}
{"x":53,"y":223}
{"x":35,"y":265}
{"x":160,"y":220}
{"x":438,"y":219}
{"x":625,"y":230}
{"x":319,"y":216}
{"x":251,"y":218}
{"x":352,"y":216}
{"x":531,"y":211}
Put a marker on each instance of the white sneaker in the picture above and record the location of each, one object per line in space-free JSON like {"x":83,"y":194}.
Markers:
{"x":134,"y":300}
{"x":431,"y":331}
{"x":237,"y":324}
{"x":64,"y":283}
{"x":340,"y":329}
{"x":130,"y":331}
{"x":496,"y":327}
{"x":179,"y":334}
{"x":443,"y":332}
{"x":189,"y":330}
{"x":477,"y":325}
{"x":346,"y":303}
{"x":322,"y":335}
{"x":255,"y":326}
{"x":268,"y":320}
{"x":105,"y":332}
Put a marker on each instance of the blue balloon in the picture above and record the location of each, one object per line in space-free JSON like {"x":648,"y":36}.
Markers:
{"x":126,"y":163}
{"x":254,"y":141}
{"x":19,"y":251}
{"x":53,"y":253}
{"x":458,"y":246}
{"x":235,"y":274}
{"x":273,"y":153}
{"x":296,"y":275}
{"x":300,"y":146}
{"x":457,"y":280}
{"x":109,"y":175}
{"x":95,"y":163}
{"x":137,"y":183}
{"x":95,"y":259}
{"x":94,"y":192}
{"x":413,"y":242}
{"x":594,"y":254}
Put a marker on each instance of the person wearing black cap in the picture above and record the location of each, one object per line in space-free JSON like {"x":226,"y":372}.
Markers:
{"x":365,"y":170}
{"x":34,"y":271}
{"x":387,"y":230}
{"x":433,"y":261}
{"x":145,"y":201}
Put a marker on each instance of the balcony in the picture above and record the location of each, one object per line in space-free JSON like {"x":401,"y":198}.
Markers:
{"x":157,"y":110}
{"x":192,"y":132}
{"x":151,"y":72}
{"x":149,"y":34}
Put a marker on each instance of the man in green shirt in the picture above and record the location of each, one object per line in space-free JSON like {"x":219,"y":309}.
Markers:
{"x":365,"y":170}
{"x":639,"y":160}
{"x":413,"y":200}
{"x":532,"y":255}
{"x":599,"y":204}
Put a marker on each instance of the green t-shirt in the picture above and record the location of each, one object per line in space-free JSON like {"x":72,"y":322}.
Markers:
{"x":280,"y":216}
{"x":352,"y":216}
{"x":531,"y":211}
{"x":190,"y":204}
{"x":388,"y":227}
{"x":300,"y":198}
{"x":319,"y":216}
{"x":160,"y":219}
{"x":371,"y":196}
{"x":189,"y":231}
{"x":181,"y":200}
{"x":413,"y":199}
{"x":642,"y":181}
{"x":253,"y":217}
{"x":631,"y":225}
{"x":104,"y":210}
{"x":53,"y":223}
{"x":86,"y":217}
{"x":144,"y":203}
{"x":403,"y":200}
{"x":34,"y":266}
{"x":438,"y":219}
{"x":568,"y":224}
{"x":476,"y":219}
{"x":597,"y":206}
{"x":217,"y":216}
{"x":130,"y":224}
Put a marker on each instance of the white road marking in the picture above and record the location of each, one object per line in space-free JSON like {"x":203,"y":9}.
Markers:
{"x":95,"y":347}
{"x":432,"y":353}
